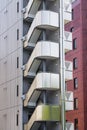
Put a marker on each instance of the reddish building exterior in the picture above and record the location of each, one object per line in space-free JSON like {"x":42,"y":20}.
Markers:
{"x":78,"y":56}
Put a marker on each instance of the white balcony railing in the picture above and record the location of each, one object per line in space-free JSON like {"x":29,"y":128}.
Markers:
{"x":67,"y":11}
{"x":43,"y":20}
{"x":42,"y":81}
{"x":31,"y":8}
{"x":69,"y":100}
{"x":69,"y":126}
{"x":43,"y":113}
{"x":68,"y":41}
{"x":42,"y":50}
{"x":68,"y":70}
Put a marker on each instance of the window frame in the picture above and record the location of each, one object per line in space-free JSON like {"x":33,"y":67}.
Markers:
{"x":76,"y":103}
{"x":17,"y":90}
{"x":75,"y":80}
{"x":74,"y":43}
{"x":17,"y":6}
{"x":76,"y":123}
{"x":75,"y":63}
{"x":17,"y":34}
{"x":17,"y":119}
{"x":17,"y":62}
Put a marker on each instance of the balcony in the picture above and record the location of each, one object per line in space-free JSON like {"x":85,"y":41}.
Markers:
{"x":42,"y":50}
{"x":42,"y":20}
{"x":42,"y":81}
{"x":31,"y":8}
{"x":69,"y":126}
{"x":43,"y":113}
{"x":67,"y":11}
{"x":69,"y":101}
{"x":68,"y":41}
{"x":68,"y":70}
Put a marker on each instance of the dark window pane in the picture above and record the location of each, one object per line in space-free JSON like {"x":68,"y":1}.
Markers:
{"x":75,"y":64}
{"x":75,"y":103}
{"x":17,"y":62}
{"x":76,"y":124}
{"x":17,"y":90}
{"x":74,"y":43}
{"x":75,"y":83}
{"x":17,"y":119}
{"x":72,"y":29}
{"x":17,"y":34}
{"x":17,"y":7}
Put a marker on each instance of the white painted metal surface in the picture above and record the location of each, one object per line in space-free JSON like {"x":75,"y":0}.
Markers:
{"x":69,"y":101}
{"x":42,"y":50}
{"x":43,"y":20}
{"x":68,"y":70}
{"x":42,"y":81}
{"x":69,"y":126}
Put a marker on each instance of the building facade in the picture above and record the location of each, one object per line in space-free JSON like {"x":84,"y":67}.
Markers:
{"x":33,"y":69}
{"x":78,"y":56}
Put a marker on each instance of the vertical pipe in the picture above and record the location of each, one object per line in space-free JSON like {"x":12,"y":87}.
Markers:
{"x":44,"y":94}
{"x":62,"y":64}
{"x":44,"y":5}
{"x":44,"y":64}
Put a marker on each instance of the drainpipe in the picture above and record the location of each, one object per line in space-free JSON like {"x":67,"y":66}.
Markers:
{"x":62,"y":64}
{"x":44,"y":64}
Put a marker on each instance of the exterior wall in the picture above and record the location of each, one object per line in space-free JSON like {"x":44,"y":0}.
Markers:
{"x":13,"y":60}
{"x":84,"y":39}
{"x":80,"y":32}
{"x":11,"y":76}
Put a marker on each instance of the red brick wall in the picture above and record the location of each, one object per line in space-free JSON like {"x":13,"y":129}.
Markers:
{"x":80,"y":32}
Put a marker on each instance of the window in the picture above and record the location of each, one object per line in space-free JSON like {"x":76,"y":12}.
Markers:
{"x":75,"y":103}
{"x":71,"y":29}
{"x":17,"y":34}
{"x":74,"y":43}
{"x":17,"y":7}
{"x":17,"y":119}
{"x":17,"y":62}
{"x":75,"y":83}
{"x":17,"y":90}
{"x":72,"y":14}
{"x":76,"y":124}
{"x":75,"y":65}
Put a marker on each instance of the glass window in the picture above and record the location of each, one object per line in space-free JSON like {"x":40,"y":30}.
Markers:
{"x":71,"y":29}
{"x":17,"y":119}
{"x":74,"y":43}
{"x":75,"y":103}
{"x":17,"y":7}
{"x":17,"y":62}
{"x":76,"y":124}
{"x":72,"y":14}
{"x":75,"y":83}
{"x":17,"y":34}
{"x":17,"y":90}
{"x":75,"y":64}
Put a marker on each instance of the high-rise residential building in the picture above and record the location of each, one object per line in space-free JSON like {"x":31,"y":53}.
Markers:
{"x":78,"y":56}
{"x":33,"y":69}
